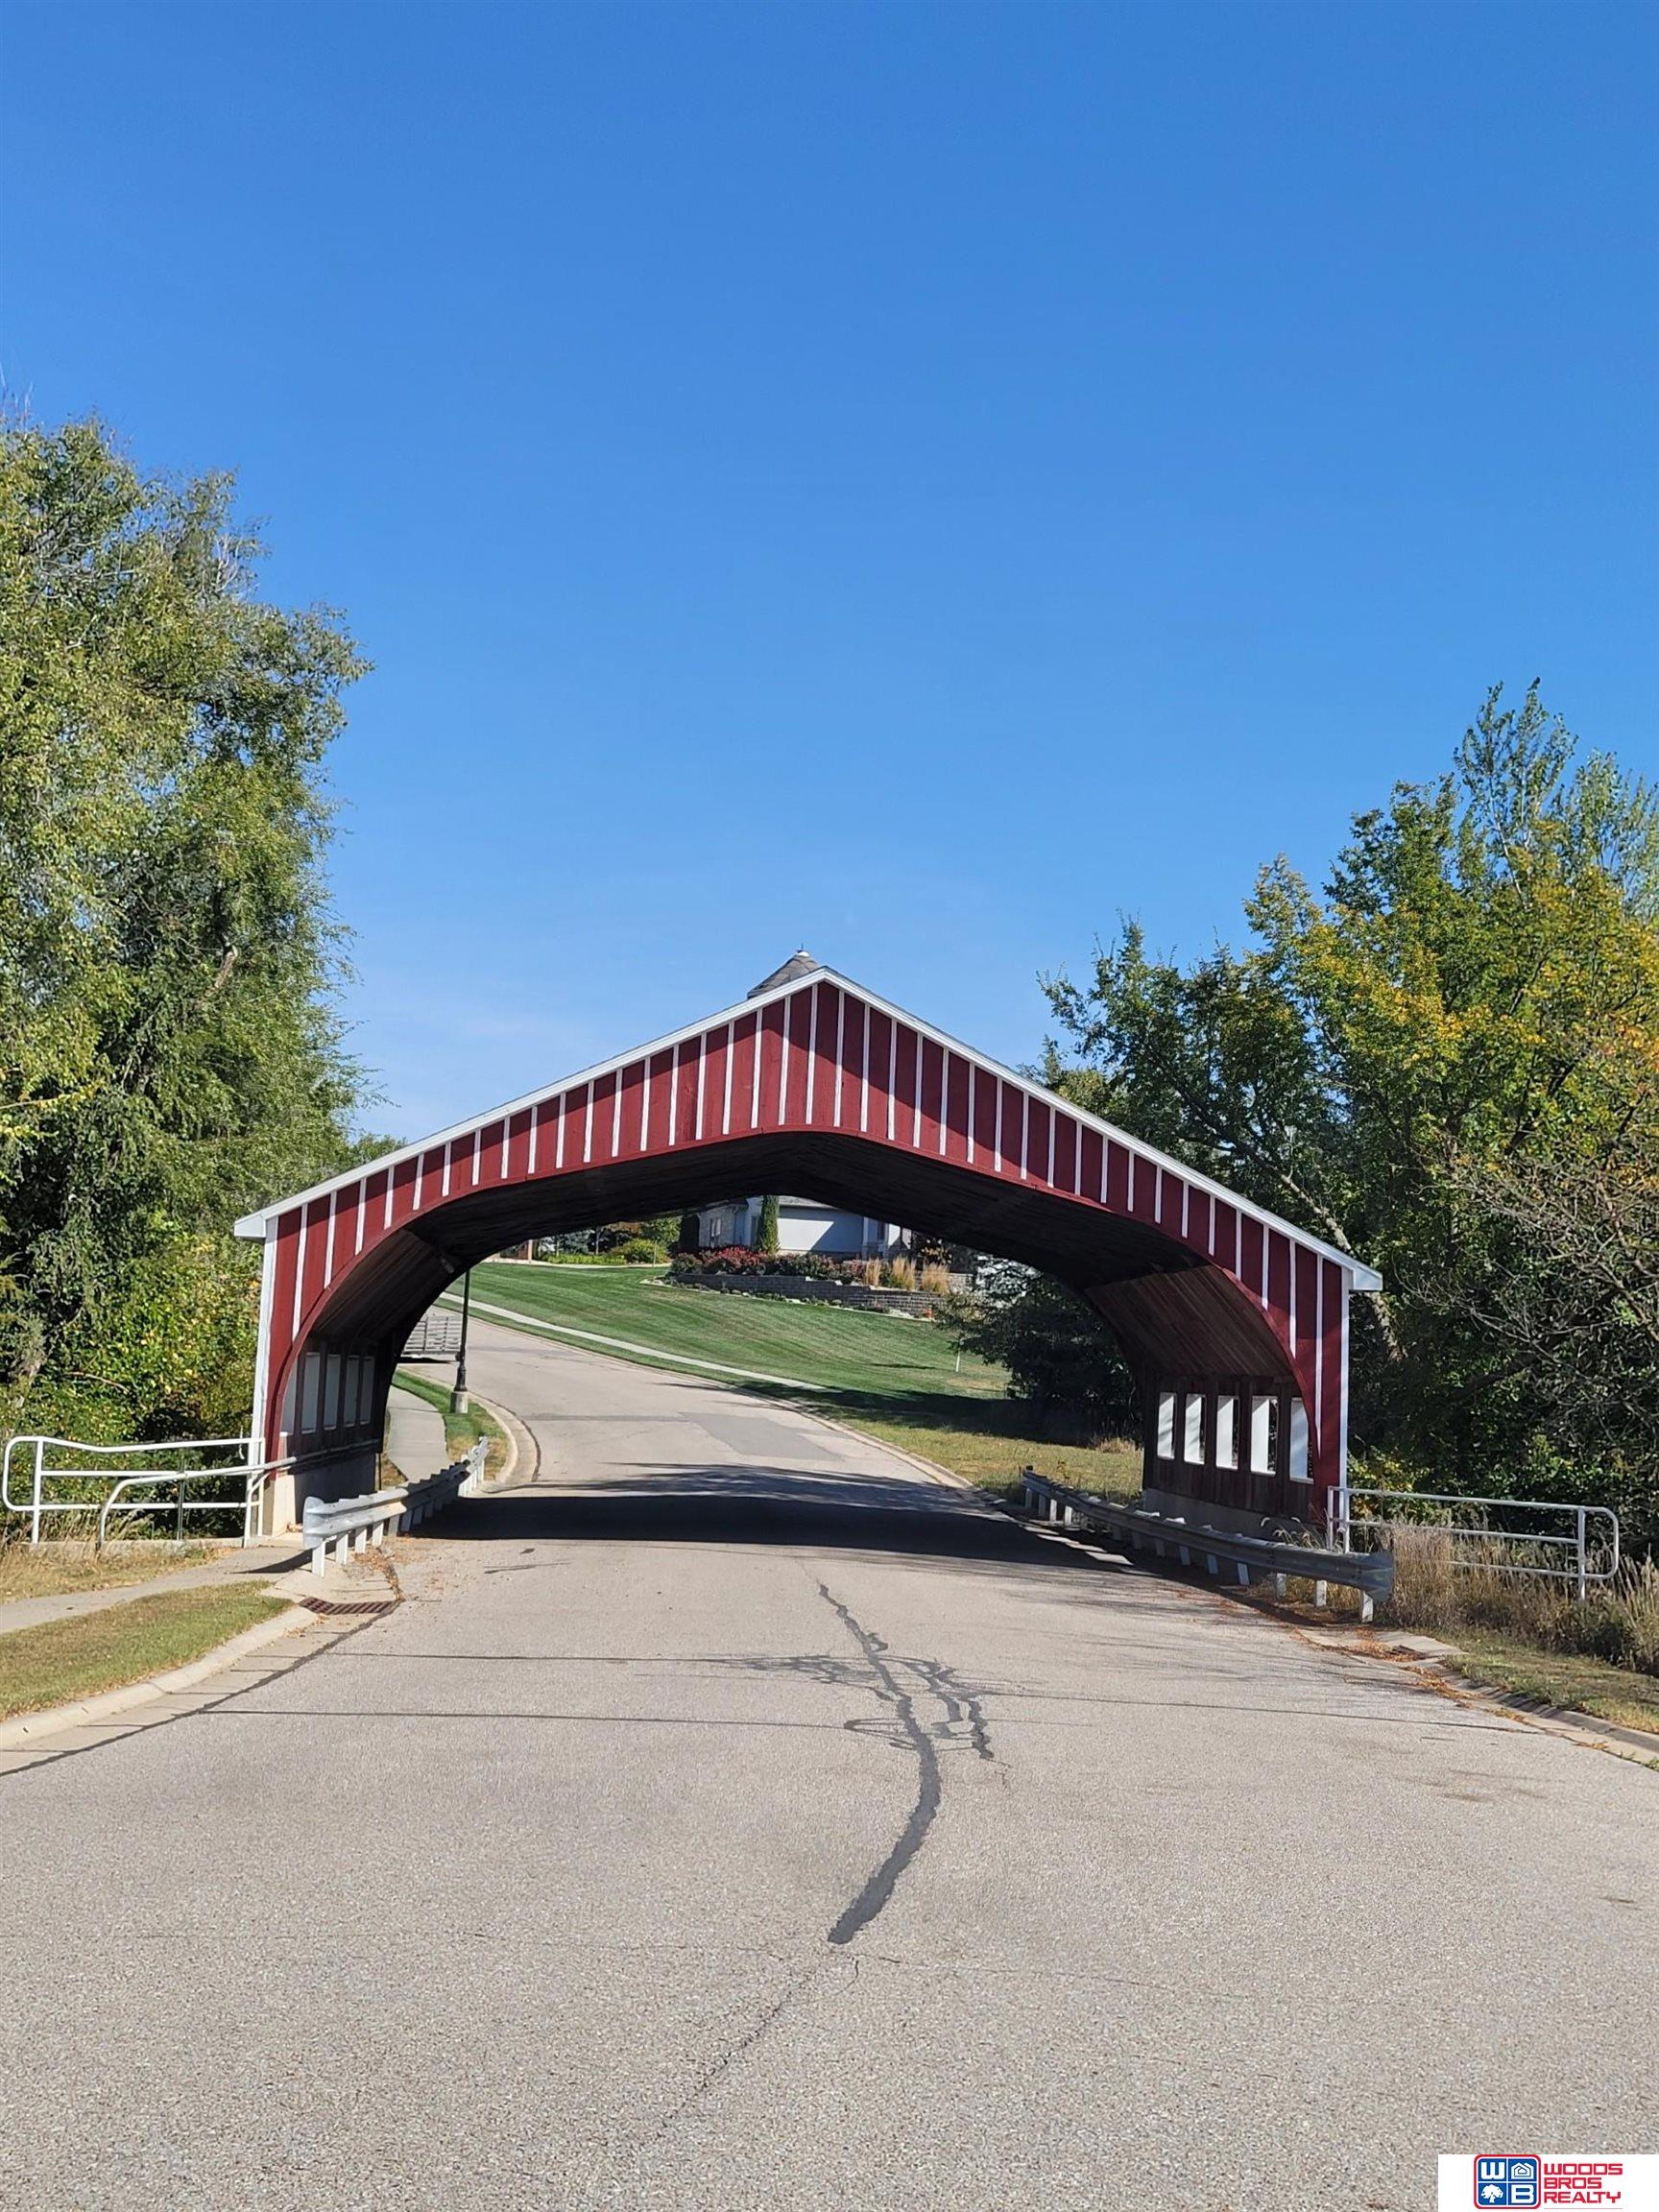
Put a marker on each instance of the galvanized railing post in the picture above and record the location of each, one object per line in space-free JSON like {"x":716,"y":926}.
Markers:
{"x":39,"y":1463}
{"x":1583,"y":1562}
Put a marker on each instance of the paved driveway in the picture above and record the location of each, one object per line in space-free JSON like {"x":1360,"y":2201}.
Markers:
{"x":733,"y":1819}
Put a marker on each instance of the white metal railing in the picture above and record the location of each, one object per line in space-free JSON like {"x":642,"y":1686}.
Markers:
{"x":37,"y":1455}
{"x":437,"y":1336}
{"x":1585,"y":1551}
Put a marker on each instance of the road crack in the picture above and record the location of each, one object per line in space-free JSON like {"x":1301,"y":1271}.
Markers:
{"x":959,"y":1705}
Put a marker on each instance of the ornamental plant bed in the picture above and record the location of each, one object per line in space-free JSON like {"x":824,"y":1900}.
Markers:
{"x":811,"y":1289}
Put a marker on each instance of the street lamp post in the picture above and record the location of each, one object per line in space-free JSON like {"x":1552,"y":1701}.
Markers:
{"x":458,"y":1401}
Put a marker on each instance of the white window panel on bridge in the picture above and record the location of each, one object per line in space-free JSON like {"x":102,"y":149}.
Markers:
{"x":1192,"y":1443}
{"x":1227,"y":1432}
{"x":1298,"y":1441}
{"x":1263,"y":1438}
{"x":1166,"y":1423}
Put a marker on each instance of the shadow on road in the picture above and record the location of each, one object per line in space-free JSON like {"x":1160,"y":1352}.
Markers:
{"x":759,"y":1505}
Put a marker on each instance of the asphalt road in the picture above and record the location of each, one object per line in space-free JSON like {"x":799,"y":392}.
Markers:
{"x":733,"y":1819}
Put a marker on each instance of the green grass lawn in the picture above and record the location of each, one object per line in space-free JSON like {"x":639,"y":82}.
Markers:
{"x":64,"y":1660}
{"x":461,"y":1431}
{"x":1567,"y":1678}
{"x":827,"y":1346}
{"x":897,"y":1379}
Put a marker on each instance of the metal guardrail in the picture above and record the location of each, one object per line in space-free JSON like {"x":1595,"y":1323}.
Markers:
{"x":1591,"y":1542}
{"x":41,"y":1502}
{"x":437,"y":1336}
{"x":345,"y":1523}
{"x":1370,"y":1573}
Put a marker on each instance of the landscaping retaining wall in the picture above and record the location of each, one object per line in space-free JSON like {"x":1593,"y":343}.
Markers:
{"x":861,"y":1295}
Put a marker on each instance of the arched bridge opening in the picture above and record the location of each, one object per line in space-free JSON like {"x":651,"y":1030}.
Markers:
{"x":1233,"y":1322}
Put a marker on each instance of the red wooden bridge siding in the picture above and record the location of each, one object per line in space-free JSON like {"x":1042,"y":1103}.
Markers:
{"x":822,"y":1056}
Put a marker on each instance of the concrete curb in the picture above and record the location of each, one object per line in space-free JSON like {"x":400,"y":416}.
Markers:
{"x":28,"y":1728}
{"x":1585,"y":1728}
{"x":517,"y":1436}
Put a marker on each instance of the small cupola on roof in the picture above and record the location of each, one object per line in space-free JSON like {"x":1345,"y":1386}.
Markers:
{"x":798,"y":964}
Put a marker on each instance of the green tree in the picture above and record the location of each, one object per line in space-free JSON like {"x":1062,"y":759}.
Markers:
{"x":1061,"y":1357}
{"x":1466,"y":1018}
{"x":168,"y":1054}
{"x":766,"y":1232}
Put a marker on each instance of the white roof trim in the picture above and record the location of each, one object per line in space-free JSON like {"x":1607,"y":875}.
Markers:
{"x":1364,"y":1278}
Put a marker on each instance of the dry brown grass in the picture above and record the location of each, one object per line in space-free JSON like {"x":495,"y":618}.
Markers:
{"x":1618,"y":1622}
{"x":63,"y":1564}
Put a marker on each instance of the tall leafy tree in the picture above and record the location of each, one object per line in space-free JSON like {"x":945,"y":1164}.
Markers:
{"x":168,"y":1052}
{"x":1446,"y":1060}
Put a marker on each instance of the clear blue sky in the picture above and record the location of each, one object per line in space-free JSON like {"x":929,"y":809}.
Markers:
{"x":918,"y":481}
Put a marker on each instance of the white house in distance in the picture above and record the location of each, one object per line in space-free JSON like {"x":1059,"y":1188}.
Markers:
{"x":803,"y":1225}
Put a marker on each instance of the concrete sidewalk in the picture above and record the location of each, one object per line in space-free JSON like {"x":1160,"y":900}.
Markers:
{"x":275,"y":1557}
{"x":416,"y":1442}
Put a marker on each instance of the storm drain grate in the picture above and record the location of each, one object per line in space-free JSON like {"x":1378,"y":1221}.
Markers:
{"x":335,"y":1606}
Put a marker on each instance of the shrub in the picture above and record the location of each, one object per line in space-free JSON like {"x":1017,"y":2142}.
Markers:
{"x":738,"y":1259}
{"x":639,"y":1249}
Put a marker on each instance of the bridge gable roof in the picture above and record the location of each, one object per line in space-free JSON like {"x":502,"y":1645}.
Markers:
{"x":790,"y":983}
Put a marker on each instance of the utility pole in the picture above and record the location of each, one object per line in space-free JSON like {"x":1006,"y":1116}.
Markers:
{"x":458,"y":1401}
